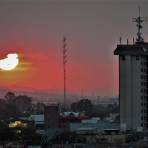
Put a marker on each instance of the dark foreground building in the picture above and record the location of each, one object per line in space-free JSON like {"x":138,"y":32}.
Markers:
{"x":133,"y":82}
{"x":52,"y":115}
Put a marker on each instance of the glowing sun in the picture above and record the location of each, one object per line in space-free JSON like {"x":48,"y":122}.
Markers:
{"x":10,"y":62}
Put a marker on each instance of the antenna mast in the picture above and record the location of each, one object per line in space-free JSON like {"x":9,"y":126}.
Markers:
{"x":64,"y":68}
{"x":139,"y":20}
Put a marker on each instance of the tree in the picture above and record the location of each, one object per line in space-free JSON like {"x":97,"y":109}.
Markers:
{"x":5,"y":132}
{"x":100,"y":111}
{"x":11,"y":107}
{"x":40,"y":108}
{"x":84,"y":105}
{"x":17,"y":105}
{"x":3,"y":109}
{"x":24,"y":103}
{"x":10,"y":97}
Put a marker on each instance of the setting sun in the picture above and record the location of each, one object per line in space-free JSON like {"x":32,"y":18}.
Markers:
{"x":10,"y":62}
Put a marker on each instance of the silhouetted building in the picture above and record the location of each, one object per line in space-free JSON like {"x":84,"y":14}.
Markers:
{"x":133,"y":82}
{"x":52,"y":114}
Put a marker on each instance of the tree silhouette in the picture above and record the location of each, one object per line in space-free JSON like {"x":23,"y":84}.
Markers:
{"x":84,"y":105}
{"x":17,"y":105}
{"x":23,"y":103}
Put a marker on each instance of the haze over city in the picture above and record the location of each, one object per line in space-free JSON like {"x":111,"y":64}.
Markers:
{"x":35,"y":28}
{"x":73,"y":73}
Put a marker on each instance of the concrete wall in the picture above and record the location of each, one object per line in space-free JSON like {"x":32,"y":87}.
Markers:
{"x":130,"y":91}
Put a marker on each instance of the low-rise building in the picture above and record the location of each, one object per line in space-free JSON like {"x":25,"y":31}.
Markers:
{"x":39,"y":123}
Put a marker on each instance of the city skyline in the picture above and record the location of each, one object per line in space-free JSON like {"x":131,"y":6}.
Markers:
{"x":35,"y":29}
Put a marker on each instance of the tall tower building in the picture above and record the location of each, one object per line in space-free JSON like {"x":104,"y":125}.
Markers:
{"x":133,"y":81}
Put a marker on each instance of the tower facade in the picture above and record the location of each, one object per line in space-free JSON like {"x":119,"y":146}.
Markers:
{"x":133,"y":85}
{"x":133,"y":82}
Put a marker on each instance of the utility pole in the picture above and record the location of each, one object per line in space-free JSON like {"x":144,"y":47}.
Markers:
{"x":64,"y":69}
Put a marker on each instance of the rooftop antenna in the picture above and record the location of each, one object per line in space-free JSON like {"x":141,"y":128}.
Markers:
{"x":120,"y":40}
{"x":127,"y":41}
{"x":133,"y":40}
{"x":139,"y":20}
{"x":64,"y":69}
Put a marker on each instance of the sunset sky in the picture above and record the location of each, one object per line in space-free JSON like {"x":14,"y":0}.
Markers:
{"x":34,"y":29}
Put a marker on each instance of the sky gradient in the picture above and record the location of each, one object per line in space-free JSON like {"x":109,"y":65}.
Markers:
{"x":35,"y":28}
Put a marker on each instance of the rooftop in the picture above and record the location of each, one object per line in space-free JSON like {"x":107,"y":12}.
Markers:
{"x":135,"y":49}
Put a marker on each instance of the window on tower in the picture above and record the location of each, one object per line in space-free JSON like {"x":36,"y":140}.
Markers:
{"x":137,"y":57}
{"x":123,"y":58}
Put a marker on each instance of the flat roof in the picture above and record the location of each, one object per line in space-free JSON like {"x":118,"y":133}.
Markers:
{"x":135,"y":49}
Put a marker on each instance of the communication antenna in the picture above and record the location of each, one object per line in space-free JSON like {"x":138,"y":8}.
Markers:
{"x":64,"y":69}
{"x":139,"y":20}
{"x":127,"y":41}
{"x":120,"y":40}
{"x":133,"y":40}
